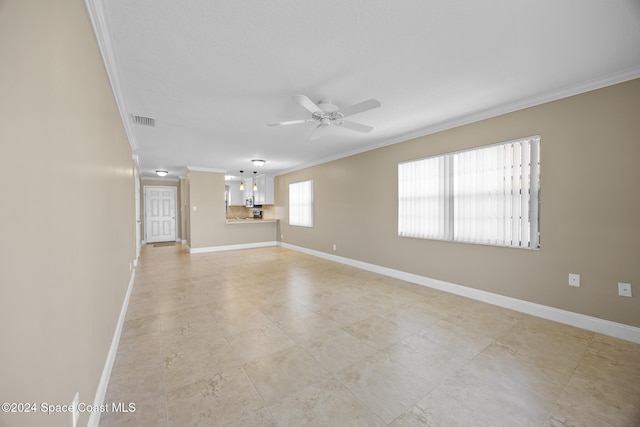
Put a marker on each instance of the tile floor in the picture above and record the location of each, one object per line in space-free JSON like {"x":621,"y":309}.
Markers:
{"x":273,"y":337}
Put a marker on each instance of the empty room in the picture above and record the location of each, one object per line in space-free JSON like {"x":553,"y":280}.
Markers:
{"x":339,"y":213}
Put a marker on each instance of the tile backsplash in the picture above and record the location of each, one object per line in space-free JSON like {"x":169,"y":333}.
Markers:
{"x":233,"y":212}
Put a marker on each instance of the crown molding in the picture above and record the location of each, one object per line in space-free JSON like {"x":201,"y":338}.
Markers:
{"x":520,"y":104}
{"x":136,"y":161}
{"x":201,"y":169}
{"x":101,"y":29}
{"x":157,"y":178}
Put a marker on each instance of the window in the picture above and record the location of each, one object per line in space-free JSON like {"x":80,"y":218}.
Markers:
{"x":301,"y":203}
{"x":488,"y":195}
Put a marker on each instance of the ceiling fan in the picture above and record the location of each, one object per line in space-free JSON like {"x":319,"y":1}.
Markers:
{"x":326,"y":113}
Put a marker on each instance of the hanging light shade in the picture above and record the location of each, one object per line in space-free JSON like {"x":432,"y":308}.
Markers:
{"x":255,"y":183}
{"x":241,"y":182}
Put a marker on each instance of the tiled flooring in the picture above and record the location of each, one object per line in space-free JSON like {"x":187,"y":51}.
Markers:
{"x":272,"y":337}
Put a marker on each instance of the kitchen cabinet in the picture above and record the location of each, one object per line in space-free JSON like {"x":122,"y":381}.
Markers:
{"x":248,"y":188}
{"x":264,"y":195}
{"x":236,"y":196}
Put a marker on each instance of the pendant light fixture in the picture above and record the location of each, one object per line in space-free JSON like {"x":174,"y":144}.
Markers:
{"x":241,"y":182}
{"x":255,"y":182}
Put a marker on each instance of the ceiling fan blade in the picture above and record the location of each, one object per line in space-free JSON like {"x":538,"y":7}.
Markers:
{"x":291,"y":122}
{"x":308,"y":104}
{"x":354,"y":126}
{"x":315,"y":134}
{"x":360,"y":107}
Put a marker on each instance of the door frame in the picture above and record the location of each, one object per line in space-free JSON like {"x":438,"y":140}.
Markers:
{"x":174,"y":192}
{"x":139,"y":237}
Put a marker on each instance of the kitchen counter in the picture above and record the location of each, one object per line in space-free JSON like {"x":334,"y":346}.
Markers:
{"x":249,"y":220}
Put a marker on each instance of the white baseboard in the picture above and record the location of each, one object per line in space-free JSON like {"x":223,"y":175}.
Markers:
{"x":94,"y":418}
{"x":231,"y":247}
{"x":606,"y":327}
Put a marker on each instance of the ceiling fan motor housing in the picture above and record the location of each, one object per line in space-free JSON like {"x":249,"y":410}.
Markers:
{"x":327,"y":106}
{"x":326,"y":113}
{"x":330,"y":114}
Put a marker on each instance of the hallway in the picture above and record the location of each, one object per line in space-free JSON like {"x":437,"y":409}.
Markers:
{"x":273,"y":337}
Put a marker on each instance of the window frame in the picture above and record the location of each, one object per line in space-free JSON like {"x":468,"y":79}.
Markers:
{"x":443,"y":215}
{"x":297,"y":212}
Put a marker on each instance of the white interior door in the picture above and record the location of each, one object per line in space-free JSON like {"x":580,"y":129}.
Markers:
{"x":159,"y":214}
{"x":138,"y":217}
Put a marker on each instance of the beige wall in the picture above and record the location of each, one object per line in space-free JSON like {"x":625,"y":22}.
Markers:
{"x":68,"y":210}
{"x":207,"y":226}
{"x":589,"y":217}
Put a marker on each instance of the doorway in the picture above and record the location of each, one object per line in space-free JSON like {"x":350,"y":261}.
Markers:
{"x":159,"y":214}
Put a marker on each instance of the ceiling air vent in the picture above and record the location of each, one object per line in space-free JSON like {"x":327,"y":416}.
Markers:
{"x":143,"y":121}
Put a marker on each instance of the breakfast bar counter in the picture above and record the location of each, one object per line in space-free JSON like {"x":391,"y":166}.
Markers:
{"x":250,"y":221}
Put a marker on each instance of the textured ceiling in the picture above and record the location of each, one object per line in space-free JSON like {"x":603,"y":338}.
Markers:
{"x":213,"y":73}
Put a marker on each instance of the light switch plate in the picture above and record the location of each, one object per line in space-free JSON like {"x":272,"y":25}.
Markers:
{"x":574,"y":280}
{"x":624,"y":289}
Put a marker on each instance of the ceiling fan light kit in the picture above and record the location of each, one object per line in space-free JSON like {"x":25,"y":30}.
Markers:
{"x":326,"y":113}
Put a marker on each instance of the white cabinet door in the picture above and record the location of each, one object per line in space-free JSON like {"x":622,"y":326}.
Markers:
{"x":236,"y":197}
{"x":259,"y":195}
{"x":264,"y":195}
{"x":248,"y":188}
{"x":269,"y":196}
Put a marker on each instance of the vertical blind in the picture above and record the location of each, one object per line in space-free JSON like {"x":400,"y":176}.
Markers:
{"x":488,"y":195}
{"x":301,"y":203}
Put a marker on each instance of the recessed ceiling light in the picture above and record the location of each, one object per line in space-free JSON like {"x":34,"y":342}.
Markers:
{"x":162,"y":173}
{"x":258,"y":162}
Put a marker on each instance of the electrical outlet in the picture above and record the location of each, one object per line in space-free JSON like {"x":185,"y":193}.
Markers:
{"x":335,"y":247}
{"x":75,"y":411}
{"x":574,"y":280}
{"x":281,"y":236}
{"x":624,"y":289}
